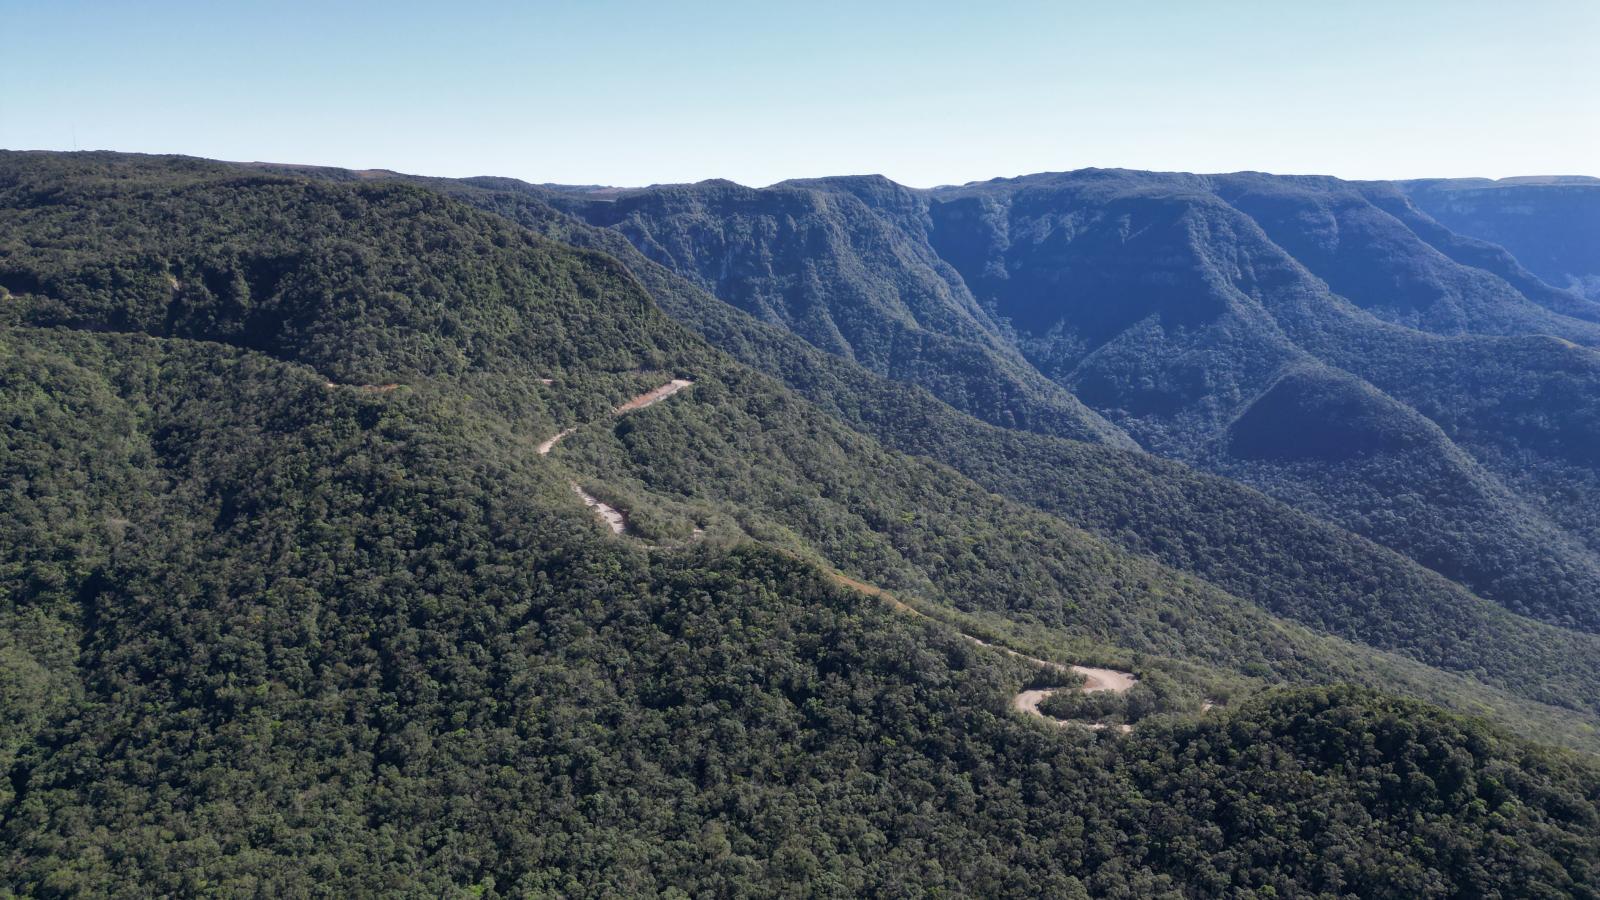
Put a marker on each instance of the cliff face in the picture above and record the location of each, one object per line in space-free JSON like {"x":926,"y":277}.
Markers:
{"x":1551,"y":225}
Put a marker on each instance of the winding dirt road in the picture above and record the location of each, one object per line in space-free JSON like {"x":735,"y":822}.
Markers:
{"x":615,"y":518}
{"x":1094,"y":681}
{"x":1026,"y":701}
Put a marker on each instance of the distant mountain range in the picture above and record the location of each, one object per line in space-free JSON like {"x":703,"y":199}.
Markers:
{"x":1327,"y":342}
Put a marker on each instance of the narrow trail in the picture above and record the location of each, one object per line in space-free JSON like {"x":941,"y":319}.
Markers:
{"x":363,"y":388}
{"x":613,"y":517}
{"x":547,"y":446}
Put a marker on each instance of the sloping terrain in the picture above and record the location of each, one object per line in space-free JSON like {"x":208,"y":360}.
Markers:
{"x":829,"y":268}
{"x":1171,"y":303}
{"x":1212,"y":528}
{"x":280,"y":638}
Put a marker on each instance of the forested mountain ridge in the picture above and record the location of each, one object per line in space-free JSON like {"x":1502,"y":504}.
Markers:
{"x":1209,"y":527}
{"x":274,"y":626}
{"x":1172,"y":303}
{"x":828,"y":267}
{"x":227,"y":294}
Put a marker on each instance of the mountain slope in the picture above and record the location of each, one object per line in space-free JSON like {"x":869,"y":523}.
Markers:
{"x":473,"y":718}
{"x":1184,"y":366}
{"x":1374,"y":251}
{"x":1210,"y":528}
{"x":320,"y":617}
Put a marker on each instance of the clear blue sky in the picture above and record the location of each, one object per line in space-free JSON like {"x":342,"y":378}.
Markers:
{"x":936,"y":92}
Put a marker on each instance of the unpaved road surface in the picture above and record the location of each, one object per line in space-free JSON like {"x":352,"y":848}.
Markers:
{"x":612,"y":517}
{"x":547,"y":446}
{"x":1094,"y":680}
{"x":1105,"y":680}
{"x":648,"y":398}
{"x":1027,"y":701}
{"x":652,"y":397}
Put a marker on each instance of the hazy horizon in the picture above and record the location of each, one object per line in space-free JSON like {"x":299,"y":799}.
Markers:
{"x":630,"y":94}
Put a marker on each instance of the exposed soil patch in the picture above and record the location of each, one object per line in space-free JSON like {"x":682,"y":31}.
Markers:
{"x":1105,"y":680}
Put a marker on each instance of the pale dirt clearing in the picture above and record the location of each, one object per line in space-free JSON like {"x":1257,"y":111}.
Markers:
{"x":1105,"y":680}
{"x":1028,"y":701}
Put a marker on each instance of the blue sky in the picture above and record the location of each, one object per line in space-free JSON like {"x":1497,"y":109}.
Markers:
{"x":927,"y":93}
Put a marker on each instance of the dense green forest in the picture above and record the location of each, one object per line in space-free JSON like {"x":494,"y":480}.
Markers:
{"x":290,"y":603}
